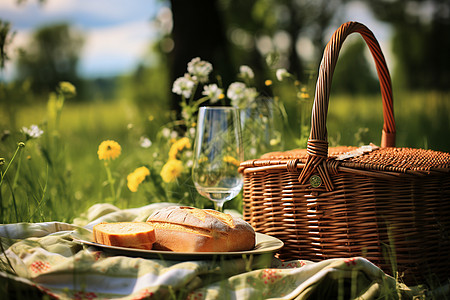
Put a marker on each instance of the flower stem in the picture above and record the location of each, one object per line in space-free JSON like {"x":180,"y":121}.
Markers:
{"x":194,"y":90}
{"x":200,"y":101}
{"x":110,"y":181}
{"x":19,"y":146}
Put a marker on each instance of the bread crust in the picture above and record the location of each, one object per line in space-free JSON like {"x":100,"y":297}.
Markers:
{"x":138,"y":235}
{"x":189,"y":229}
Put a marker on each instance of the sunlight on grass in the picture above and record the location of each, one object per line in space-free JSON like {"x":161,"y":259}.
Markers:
{"x":81,"y":117}
{"x":70,"y":150}
{"x":422,"y":120}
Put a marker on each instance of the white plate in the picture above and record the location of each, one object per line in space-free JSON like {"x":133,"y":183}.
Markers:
{"x":265,"y":244}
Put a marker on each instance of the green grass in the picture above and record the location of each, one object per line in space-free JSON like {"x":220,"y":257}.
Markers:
{"x":422,"y":120}
{"x":58,"y":176}
{"x":61,"y":169}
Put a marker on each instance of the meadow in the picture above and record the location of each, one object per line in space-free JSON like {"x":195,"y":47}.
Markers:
{"x":58,"y":175}
{"x":55,"y":173}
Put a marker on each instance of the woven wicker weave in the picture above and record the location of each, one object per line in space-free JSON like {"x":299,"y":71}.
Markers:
{"x":390,"y":205}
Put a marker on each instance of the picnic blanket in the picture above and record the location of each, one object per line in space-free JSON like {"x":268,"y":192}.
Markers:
{"x":42,"y":259}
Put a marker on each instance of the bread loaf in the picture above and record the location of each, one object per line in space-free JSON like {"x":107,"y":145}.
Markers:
{"x":140,"y":235}
{"x":188,"y":229}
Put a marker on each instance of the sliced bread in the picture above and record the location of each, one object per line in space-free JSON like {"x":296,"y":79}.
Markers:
{"x":140,"y":235}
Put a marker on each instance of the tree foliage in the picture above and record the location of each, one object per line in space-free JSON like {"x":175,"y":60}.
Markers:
{"x":420,"y":43}
{"x":6,"y":38}
{"x":233,"y":33}
{"x":353,"y":73}
{"x":52,"y":56}
{"x":258,"y":28}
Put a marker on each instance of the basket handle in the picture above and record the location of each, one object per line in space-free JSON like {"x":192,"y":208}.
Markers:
{"x":317,"y":147}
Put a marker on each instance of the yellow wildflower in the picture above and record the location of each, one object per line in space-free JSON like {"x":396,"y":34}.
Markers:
{"x":183,"y":143}
{"x":109,"y":150}
{"x":173,"y":152}
{"x":171,"y":170}
{"x":67,"y":88}
{"x":268,"y":82}
{"x":179,"y":146}
{"x":202,"y":159}
{"x":230,"y":159}
{"x":274,"y":142}
{"x":303,"y":95}
{"x":135,"y":178}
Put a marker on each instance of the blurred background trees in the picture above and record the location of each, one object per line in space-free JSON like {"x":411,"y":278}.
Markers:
{"x":421,"y":42}
{"x":52,"y":56}
{"x":264,"y":34}
{"x":231,"y":33}
{"x":258,"y":28}
{"x":297,"y":32}
{"x":198,"y":31}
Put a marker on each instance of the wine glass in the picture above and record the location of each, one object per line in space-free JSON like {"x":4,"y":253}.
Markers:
{"x":217,"y":154}
{"x":262,"y":127}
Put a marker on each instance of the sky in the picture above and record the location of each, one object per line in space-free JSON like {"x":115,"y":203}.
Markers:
{"x":118,"y":32}
{"x":359,"y":12}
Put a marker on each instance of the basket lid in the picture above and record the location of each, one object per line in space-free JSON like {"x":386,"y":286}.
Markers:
{"x":373,"y":158}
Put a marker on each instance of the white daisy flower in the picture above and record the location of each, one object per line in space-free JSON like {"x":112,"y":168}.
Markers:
{"x":282,"y":73}
{"x":213,"y":92}
{"x":200,"y":69}
{"x":33,"y":132}
{"x":173,"y":134}
{"x":240,"y":95}
{"x":250,"y":94}
{"x":192,"y":132}
{"x":183,"y":86}
{"x":165,"y":132}
{"x":236,"y":91}
{"x":189,"y":163}
{"x":246,"y":72}
{"x":145,"y":142}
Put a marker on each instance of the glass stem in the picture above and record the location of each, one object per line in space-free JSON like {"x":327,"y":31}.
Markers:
{"x":218,"y":205}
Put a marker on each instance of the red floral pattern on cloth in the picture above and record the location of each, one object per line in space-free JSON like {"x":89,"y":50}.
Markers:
{"x":351,"y":262}
{"x":292,"y":264}
{"x":81,"y":295}
{"x":271,"y":275}
{"x":143,"y":294}
{"x":195,"y":296}
{"x":47,"y":291}
{"x":97,"y":255}
{"x":40,"y":266}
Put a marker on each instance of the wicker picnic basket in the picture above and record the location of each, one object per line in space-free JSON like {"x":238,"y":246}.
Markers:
{"x":390,"y":205}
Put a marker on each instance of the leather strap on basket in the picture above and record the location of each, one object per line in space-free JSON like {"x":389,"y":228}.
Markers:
{"x":317,"y":148}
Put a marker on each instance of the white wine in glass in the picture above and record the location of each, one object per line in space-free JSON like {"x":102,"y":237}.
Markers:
{"x":217,"y":154}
